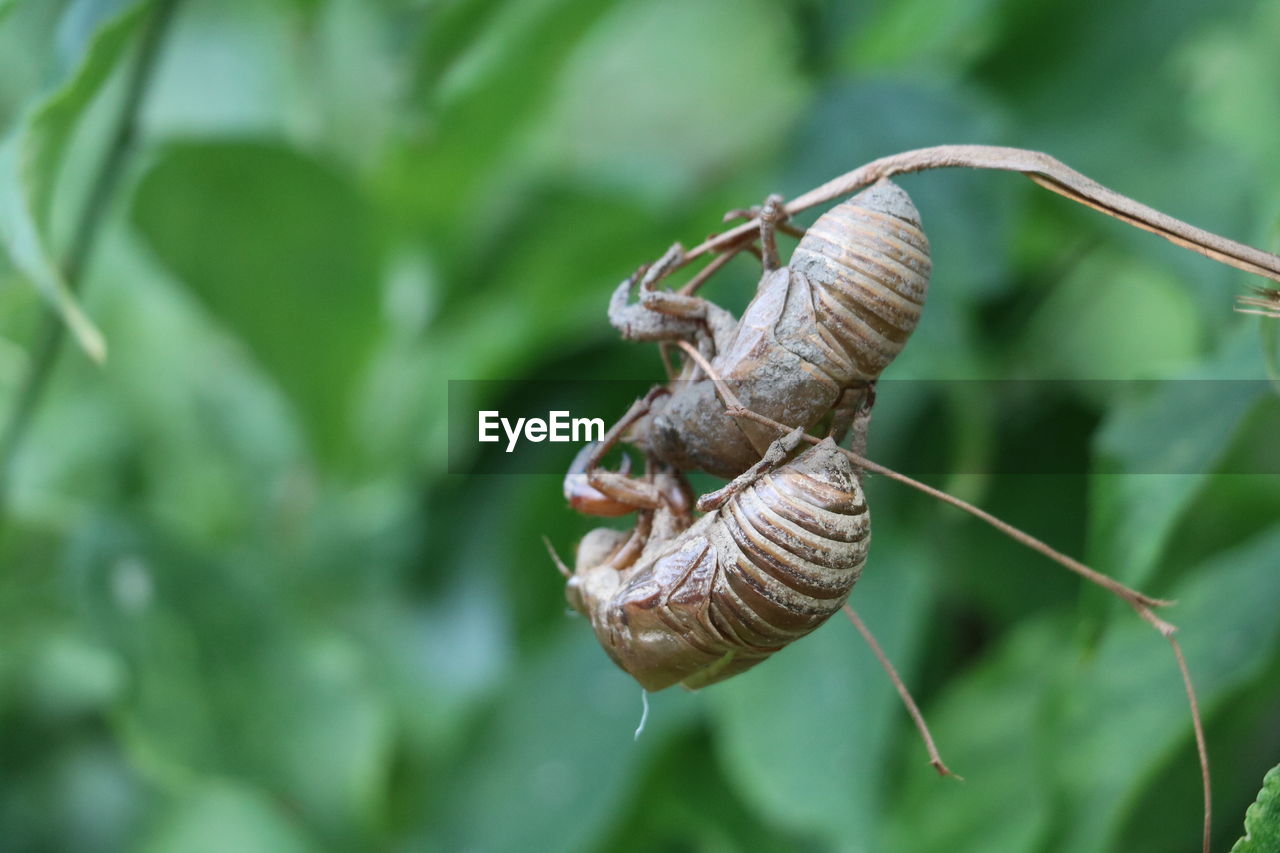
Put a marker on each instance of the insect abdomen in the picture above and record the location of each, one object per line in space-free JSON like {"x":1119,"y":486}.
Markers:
{"x":868,"y":260}
{"x":791,"y":547}
{"x":776,"y":561}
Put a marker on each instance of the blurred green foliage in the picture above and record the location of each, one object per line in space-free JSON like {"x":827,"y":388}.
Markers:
{"x":244,"y":607}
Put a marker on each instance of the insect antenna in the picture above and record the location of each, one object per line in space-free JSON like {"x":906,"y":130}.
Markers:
{"x":1140,"y":602}
{"x":555,"y":558}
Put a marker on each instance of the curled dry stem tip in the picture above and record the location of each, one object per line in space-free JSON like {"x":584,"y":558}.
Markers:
{"x":943,"y":770}
{"x":1265,"y":302}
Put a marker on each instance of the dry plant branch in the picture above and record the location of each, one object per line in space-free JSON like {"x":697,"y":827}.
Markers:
{"x":1048,"y":172}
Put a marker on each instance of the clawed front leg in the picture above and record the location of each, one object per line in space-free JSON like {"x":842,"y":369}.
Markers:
{"x":594,"y":490}
{"x":665,"y":315}
{"x":636,"y":321}
{"x":719,"y":323}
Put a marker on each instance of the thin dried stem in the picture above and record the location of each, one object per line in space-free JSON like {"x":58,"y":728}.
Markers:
{"x":1201,"y":748}
{"x":1048,"y":172}
{"x":917,"y":717}
{"x":664,"y":352}
{"x":1140,"y":602}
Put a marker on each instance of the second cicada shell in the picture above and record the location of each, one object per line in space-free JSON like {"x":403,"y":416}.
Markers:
{"x":765,"y":569}
{"x":817,"y":333}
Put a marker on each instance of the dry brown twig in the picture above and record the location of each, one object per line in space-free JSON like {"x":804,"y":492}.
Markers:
{"x":1048,"y":172}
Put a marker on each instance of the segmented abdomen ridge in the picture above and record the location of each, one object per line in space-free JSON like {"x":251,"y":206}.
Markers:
{"x":868,"y":260}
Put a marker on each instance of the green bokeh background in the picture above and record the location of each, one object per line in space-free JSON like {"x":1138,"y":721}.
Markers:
{"x":245,"y":607}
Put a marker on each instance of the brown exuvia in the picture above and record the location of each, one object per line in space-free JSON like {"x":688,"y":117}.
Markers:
{"x":705,"y":600}
{"x":814,"y":337}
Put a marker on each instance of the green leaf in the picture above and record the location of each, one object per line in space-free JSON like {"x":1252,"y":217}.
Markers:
{"x":30,"y":255}
{"x":455,"y":26}
{"x":560,"y":755}
{"x":281,"y":250}
{"x":672,"y":810}
{"x":334,"y":756}
{"x":943,"y":35}
{"x":1086,"y":327}
{"x":71,"y":676}
{"x":1052,"y":743}
{"x":968,"y":215}
{"x":988,"y":726}
{"x":1229,"y":68}
{"x":221,"y":816}
{"x":481,"y":109}
{"x":50,"y":128}
{"x":1262,"y":820}
{"x":1271,"y":348}
{"x":1154,"y":452}
{"x":31,"y":160}
{"x":224,"y":682}
{"x":683,"y":120}
{"x":1125,"y":712}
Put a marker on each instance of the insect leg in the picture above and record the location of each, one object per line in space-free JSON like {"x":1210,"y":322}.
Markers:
{"x":691,"y":286}
{"x":750,"y":213}
{"x":720,"y":324}
{"x":665,"y":315}
{"x":1142,"y":604}
{"x":776,"y":455}
{"x":639,"y":322}
{"x":1138,"y":601}
{"x":555,"y":558}
{"x":772,"y":214}
{"x":595,"y":490}
{"x":861,"y":421}
{"x":853,"y":410}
